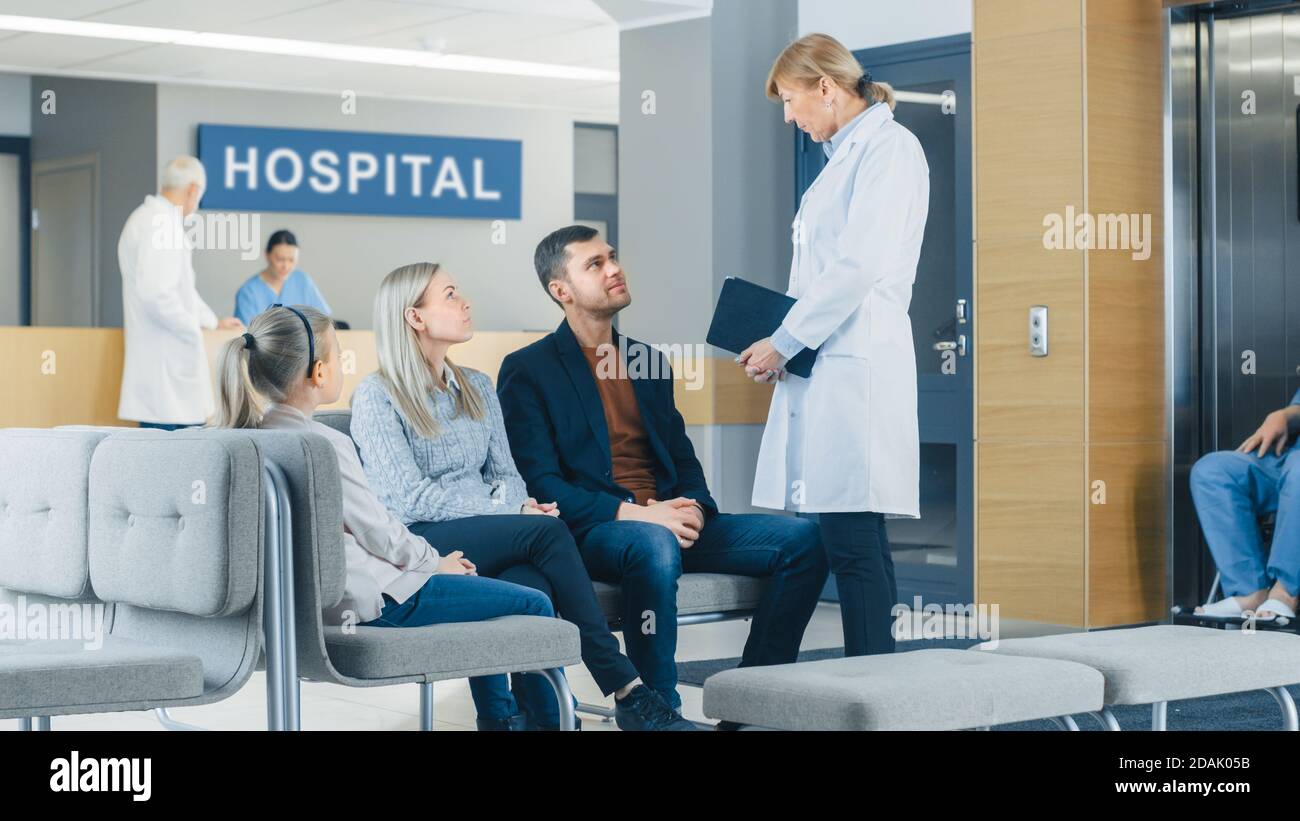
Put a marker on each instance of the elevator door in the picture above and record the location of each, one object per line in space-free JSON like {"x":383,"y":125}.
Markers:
{"x":1250,"y":306}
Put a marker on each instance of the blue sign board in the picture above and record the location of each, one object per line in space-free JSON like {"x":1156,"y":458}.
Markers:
{"x":355,"y":172}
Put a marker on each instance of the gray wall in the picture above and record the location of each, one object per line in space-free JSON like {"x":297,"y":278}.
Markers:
{"x":15,"y":111}
{"x":869,"y":23}
{"x":706,"y":188}
{"x":348,"y":255}
{"x":15,"y":121}
{"x":665,"y":202}
{"x":117,"y":122}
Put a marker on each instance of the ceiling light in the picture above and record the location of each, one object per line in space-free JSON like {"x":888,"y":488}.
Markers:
{"x":410,"y":58}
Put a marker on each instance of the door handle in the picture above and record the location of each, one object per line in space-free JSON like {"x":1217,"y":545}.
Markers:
{"x":949,"y":345}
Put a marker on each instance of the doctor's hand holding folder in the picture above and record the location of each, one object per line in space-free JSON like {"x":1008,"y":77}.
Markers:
{"x":746,"y":312}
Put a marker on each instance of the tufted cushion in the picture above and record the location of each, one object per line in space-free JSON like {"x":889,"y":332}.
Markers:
{"x":43,"y":510}
{"x":158,"y":536}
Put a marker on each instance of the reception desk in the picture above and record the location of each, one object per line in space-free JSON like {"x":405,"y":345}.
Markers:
{"x":72,"y":376}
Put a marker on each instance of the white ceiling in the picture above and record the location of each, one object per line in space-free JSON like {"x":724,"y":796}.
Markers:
{"x":561,"y":32}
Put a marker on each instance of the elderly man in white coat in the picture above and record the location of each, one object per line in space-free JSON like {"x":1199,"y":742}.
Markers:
{"x":844,"y":443}
{"x":165,"y":378}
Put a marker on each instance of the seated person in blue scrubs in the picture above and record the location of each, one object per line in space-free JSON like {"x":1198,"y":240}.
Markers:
{"x":280,"y":281}
{"x":1232,"y":489}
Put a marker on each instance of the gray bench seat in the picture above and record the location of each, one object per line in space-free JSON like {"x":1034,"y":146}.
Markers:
{"x":53,"y":673}
{"x":449,"y":651}
{"x":918,"y":690}
{"x":1168,"y":662}
{"x":697,"y":593}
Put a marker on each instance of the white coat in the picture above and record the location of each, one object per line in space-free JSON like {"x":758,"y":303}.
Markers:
{"x":165,"y":376}
{"x":845,"y":439}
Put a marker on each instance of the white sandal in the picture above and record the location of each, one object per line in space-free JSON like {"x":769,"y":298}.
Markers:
{"x":1277,"y":608}
{"x":1226,"y":607}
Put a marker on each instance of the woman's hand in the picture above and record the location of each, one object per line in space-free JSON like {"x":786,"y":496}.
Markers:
{"x":763,"y":363}
{"x":534,"y":507}
{"x":455,"y":564}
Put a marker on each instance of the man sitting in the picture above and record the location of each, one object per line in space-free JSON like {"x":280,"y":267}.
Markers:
{"x":1232,"y":489}
{"x":606,"y":443}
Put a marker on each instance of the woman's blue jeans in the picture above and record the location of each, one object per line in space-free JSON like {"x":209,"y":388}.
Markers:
{"x":447,"y":599}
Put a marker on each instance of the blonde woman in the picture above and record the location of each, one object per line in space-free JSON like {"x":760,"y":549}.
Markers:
{"x":433,"y":443}
{"x":844,"y":443}
{"x":275,"y":376}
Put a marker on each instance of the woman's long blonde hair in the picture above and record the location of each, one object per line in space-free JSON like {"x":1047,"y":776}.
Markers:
{"x":814,"y":56}
{"x":250,"y":376}
{"x":402,"y":366}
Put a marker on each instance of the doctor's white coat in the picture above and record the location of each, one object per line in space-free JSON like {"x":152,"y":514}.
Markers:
{"x":165,"y":376}
{"x":846,"y":439}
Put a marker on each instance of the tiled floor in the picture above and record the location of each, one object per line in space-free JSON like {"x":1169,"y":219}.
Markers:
{"x":333,"y":707}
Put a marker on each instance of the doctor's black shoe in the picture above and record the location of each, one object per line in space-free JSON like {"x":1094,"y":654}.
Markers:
{"x":515,"y":722}
{"x":645,"y":709}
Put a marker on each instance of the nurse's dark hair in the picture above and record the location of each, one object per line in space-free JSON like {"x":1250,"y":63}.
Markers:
{"x":281,"y":237}
{"x":552,"y":253}
{"x":266,"y":364}
{"x":805,"y":61}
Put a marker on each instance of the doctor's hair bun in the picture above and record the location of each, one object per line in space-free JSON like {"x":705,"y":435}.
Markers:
{"x":807,"y":60}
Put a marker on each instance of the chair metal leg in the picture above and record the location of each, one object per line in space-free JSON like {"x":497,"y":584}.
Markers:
{"x":1214,"y":589}
{"x":605,"y":713}
{"x":426,"y":706}
{"x":555,"y":675}
{"x":1107,"y":719}
{"x":1065,"y":723}
{"x":1289,"y":719}
{"x":1160,"y":716}
{"x":291,"y":705}
{"x":165,"y":719}
{"x":272,"y":608}
{"x":24,"y":725}
{"x":39,"y":724}
{"x":283,"y":691}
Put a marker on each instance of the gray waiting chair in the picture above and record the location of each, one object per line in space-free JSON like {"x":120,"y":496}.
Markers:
{"x":702,"y":598}
{"x":164,"y":532}
{"x":360,"y":656}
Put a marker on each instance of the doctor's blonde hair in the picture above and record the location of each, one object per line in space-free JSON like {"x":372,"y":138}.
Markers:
{"x":814,"y":56}
{"x":402,"y":366}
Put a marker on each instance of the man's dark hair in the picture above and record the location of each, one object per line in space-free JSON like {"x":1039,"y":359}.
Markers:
{"x":552,"y":253}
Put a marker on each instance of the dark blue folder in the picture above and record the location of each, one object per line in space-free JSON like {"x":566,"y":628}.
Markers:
{"x":747,"y":312}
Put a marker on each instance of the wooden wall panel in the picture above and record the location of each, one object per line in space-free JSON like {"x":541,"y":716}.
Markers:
{"x":1028,"y":132}
{"x":1067,"y":113}
{"x":1126,"y":566}
{"x":84,"y":388}
{"x":1022,"y":397}
{"x":1030,"y":534}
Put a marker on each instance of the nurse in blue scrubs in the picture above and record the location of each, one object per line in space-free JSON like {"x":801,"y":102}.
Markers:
{"x":280,"y":281}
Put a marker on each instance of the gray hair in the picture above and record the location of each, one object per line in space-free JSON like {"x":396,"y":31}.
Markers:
{"x":182,"y":172}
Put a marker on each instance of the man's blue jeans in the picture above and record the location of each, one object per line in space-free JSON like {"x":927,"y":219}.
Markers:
{"x":1232,"y":490}
{"x":447,"y":599}
{"x":647,"y":561}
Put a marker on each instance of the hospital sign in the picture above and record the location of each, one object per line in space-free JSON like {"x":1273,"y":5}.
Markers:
{"x":354,"y":172}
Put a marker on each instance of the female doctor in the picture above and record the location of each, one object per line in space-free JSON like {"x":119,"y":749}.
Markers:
{"x":843,"y":443}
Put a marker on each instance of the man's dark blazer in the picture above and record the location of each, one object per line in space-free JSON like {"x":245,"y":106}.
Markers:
{"x":556,"y":424}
